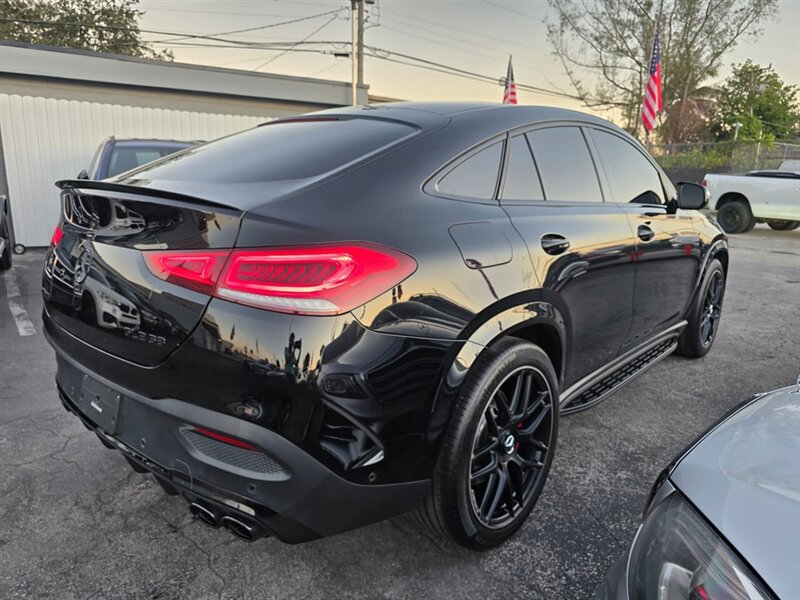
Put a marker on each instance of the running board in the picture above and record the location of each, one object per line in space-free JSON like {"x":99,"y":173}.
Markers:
{"x":592,"y":391}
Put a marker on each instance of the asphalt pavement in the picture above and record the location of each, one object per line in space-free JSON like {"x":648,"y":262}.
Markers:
{"x":77,"y":523}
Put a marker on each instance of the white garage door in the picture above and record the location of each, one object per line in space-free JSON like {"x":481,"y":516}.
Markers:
{"x":47,"y":139}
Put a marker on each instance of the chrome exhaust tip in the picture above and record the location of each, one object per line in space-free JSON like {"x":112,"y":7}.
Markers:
{"x":205,"y":515}
{"x":239,"y":529}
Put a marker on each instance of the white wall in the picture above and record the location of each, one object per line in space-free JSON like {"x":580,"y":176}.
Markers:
{"x":46,"y":139}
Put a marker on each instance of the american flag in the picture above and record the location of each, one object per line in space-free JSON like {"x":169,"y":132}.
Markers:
{"x":651,"y":104}
{"x":510,"y":92}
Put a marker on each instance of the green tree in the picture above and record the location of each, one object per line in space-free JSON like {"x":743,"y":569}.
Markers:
{"x":605,"y":47}
{"x":99,"y":25}
{"x":757,"y":98}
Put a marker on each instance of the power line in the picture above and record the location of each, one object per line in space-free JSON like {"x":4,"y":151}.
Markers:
{"x":293,"y":46}
{"x":172,"y":34}
{"x":396,"y":15}
{"x":260,"y":27}
{"x":375,"y":52}
{"x":218,"y":12}
{"x":512,"y":10}
{"x":414,"y":61}
{"x":470,"y":52}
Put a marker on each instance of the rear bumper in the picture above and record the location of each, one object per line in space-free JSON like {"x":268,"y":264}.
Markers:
{"x":285,"y":491}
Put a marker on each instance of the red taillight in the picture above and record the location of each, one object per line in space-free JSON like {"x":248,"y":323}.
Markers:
{"x":57,"y":235}
{"x":224,"y":438}
{"x":196,"y":270}
{"x":315,"y":280}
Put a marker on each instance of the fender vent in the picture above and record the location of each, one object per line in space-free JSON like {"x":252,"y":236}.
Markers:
{"x":408,"y":378}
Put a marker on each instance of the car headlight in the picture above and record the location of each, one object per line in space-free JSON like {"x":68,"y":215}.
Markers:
{"x":106,"y":298}
{"x":678,"y":556}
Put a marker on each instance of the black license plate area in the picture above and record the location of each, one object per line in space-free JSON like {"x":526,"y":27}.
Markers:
{"x":100,"y":403}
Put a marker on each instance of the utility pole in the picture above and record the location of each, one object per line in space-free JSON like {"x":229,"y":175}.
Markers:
{"x":353,"y":44}
{"x":360,"y":49}
{"x":357,"y":45}
{"x":753,"y":89}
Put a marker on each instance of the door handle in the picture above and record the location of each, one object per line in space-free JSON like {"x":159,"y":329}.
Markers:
{"x":645,"y":233}
{"x":552,"y":243}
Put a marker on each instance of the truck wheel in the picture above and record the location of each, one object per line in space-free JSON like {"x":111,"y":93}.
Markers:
{"x":735,"y":217}
{"x":783,"y":225}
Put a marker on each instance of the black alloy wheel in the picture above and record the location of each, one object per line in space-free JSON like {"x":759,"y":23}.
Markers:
{"x":704,"y":314}
{"x":712,"y":309}
{"x":510,"y":447}
{"x":498,"y":447}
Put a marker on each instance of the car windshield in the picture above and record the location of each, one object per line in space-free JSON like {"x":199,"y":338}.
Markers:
{"x":127,"y":157}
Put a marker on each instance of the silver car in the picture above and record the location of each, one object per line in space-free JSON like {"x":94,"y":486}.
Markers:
{"x":723,"y":519}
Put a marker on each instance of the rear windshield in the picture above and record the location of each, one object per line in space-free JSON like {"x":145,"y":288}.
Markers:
{"x":280,"y":151}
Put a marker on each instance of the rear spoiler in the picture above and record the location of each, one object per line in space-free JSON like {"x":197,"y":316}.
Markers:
{"x":134,"y":190}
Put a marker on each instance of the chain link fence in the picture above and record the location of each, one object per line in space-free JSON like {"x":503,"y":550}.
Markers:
{"x":689,"y":162}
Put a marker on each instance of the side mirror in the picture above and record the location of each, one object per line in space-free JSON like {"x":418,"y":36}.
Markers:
{"x":692,"y":196}
{"x":83,"y":175}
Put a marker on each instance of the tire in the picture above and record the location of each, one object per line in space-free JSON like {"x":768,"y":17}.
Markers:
{"x":735,"y":217}
{"x":783,"y":225}
{"x":511,"y":453}
{"x":704,"y":314}
{"x":5,"y":258}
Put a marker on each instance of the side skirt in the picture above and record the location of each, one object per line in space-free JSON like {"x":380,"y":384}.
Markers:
{"x":597,"y":386}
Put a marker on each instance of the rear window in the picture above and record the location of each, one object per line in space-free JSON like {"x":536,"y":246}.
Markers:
{"x":280,"y":151}
{"x":125,"y":158}
{"x":476,"y":177}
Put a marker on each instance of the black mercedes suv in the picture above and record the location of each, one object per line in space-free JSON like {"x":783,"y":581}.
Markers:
{"x":333,"y":319}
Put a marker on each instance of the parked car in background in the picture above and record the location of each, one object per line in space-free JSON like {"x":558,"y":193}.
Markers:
{"x":6,"y":234}
{"x":723,"y":519}
{"x":741,"y":201}
{"x":115,"y":156}
{"x":792,"y":164}
{"x":367,"y":311}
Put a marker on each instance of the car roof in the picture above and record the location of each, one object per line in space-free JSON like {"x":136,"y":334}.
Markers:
{"x":744,"y":477}
{"x":152,"y":142}
{"x":503,"y":116}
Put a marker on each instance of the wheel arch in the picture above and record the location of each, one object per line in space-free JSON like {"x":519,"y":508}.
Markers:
{"x":716,"y":249}
{"x":729,"y":197}
{"x":721,"y":254}
{"x":538,"y":316}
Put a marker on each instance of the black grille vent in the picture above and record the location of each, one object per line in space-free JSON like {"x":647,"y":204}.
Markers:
{"x":407,"y":378}
{"x":248,"y":460}
{"x":600,"y":390}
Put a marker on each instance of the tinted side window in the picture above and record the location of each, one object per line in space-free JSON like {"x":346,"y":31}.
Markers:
{"x":476,"y":177}
{"x":522,"y":179}
{"x":632,"y":176}
{"x":565,"y":165}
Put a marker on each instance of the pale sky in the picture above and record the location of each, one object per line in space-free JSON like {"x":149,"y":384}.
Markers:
{"x":475,"y":35}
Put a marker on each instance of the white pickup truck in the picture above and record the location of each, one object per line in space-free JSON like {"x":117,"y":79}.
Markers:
{"x":771,"y":197}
